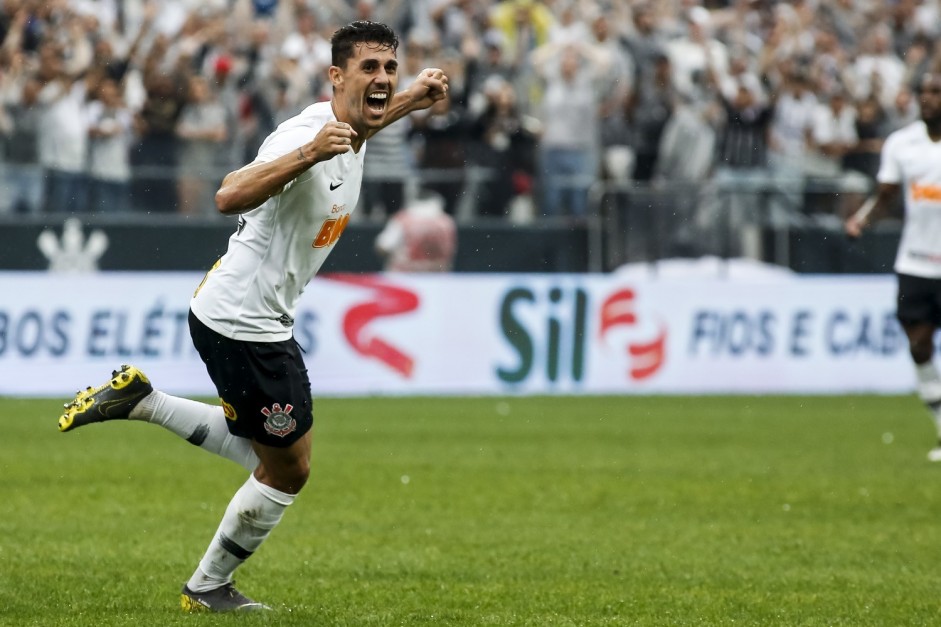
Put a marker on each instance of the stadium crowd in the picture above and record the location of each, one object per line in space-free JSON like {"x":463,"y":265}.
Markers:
{"x":140,"y":105}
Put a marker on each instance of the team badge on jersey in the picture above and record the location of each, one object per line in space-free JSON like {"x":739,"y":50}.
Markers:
{"x":278,"y":421}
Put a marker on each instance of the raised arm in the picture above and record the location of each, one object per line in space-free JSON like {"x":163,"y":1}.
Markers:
{"x":247,"y":188}
{"x":429,"y":87}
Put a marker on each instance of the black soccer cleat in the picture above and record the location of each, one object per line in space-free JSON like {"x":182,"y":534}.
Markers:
{"x":224,"y":599}
{"x":112,"y":401}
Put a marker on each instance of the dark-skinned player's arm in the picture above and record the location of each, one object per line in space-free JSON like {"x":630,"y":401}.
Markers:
{"x":429,"y":87}
{"x":250,"y":186}
{"x":873,"y":208}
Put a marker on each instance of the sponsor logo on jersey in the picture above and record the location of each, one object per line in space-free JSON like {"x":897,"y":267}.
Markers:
{"x":933,"y":258}
{"x":278,"y":421}
{"x":930,"y":193}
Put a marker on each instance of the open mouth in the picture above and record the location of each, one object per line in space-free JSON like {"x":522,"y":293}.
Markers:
{"x":376,"y":101}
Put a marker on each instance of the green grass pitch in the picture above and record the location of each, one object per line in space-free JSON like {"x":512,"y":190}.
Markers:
{"x":515,"y":511}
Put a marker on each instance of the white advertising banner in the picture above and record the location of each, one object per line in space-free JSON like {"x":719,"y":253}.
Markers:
{"x":480,"y":334}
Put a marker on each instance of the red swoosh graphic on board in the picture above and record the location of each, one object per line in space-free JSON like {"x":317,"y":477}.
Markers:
{"x":388,"y":300}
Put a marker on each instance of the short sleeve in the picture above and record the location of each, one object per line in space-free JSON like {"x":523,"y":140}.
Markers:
{"x":890,"y":172}
{"x":284,"y":141}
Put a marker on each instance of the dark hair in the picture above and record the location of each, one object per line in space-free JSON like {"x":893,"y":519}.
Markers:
{"x":344,"y":40}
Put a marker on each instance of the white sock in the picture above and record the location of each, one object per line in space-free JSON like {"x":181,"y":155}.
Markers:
{"x":929,"y":390}
{"x":197,"y":423}
{"x":252,"y":513}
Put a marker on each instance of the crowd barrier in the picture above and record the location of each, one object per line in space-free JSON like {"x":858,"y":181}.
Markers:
{"x":477,"y":334}
{"x":795,"y":223}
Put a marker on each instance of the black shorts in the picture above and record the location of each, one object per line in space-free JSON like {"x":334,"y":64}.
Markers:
{"x":264,"y":386}
{"x":919,"y":300}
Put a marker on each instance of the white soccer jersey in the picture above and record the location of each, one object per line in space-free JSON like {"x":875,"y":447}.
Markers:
{"x":912,"y":160}
{"x":252,"y":292}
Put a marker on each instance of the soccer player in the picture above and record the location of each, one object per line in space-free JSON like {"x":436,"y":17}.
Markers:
{"x":911,"y":160}
{"x":293,"y":202}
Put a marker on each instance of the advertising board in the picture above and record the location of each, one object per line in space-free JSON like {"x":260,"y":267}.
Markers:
{"x":494,"y":334}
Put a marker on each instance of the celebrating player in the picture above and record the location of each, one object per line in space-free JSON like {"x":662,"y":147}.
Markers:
{"x":293,"y":202}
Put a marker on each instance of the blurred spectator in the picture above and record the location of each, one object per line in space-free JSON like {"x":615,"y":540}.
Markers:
{"x":458,"y":20}
{"x":63,"y":132}
{"x":254,"y":110}
{"x":401,"y":15}
{"x":570,"y":140}
{"x":524,"y":25}
{"x":107,"y":63}
{"x":790,"y":140}
{"x":684,"y":163}
{"x":740,"y":24}
{"x":648,"y":111}
{"x":695,"y":50}
{"x":871,"y":126}
{"x":878,"y":71}
{"x":828,"y":64}
{"x":847,"y":20}
{"x":307,"y":48}
{"x":569,"y":28}
{"x":646,"y":45}
{"x":201,"y":130}
{"x":834,"y":136}
{"x":387,"y":170}
{"x":484,"y":61}
{"x":646,"y":48}
{"x":110,"y":125}
{"x":728,"y":225}
{"x":617,"y":157}
{"x":787,"y":42}
{"x":743,"y":138}
{"x":441,"y":137}
{"x":504,"y":143}
{"x":420,"y":238}
{"x":20,"y":174}
{"x":686,"y":152}
{"x":155,"y":156}
{"x":902,"y":112}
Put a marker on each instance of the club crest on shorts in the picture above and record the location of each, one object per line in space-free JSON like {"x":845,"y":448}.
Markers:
{"x":278,"y":421}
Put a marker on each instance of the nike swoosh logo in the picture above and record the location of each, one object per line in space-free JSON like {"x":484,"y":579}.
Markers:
{"x":333,"y":186}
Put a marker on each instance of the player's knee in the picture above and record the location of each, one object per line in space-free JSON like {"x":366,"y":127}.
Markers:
{"x":286,"y":475}
{"x":293,"y":475}
{"x":921,"y":350}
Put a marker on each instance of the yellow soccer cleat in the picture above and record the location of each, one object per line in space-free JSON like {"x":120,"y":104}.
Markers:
{"x":112,"y":401}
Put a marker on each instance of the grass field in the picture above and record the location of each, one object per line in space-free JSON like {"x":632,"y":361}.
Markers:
{"x":521,"y":511}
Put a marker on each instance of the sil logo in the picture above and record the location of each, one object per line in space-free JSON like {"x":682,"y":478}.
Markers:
{"x":548,"y":329}
{"x":278,"y":421}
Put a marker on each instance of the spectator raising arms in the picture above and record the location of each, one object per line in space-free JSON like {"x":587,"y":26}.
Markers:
{"x":264,"y":61}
